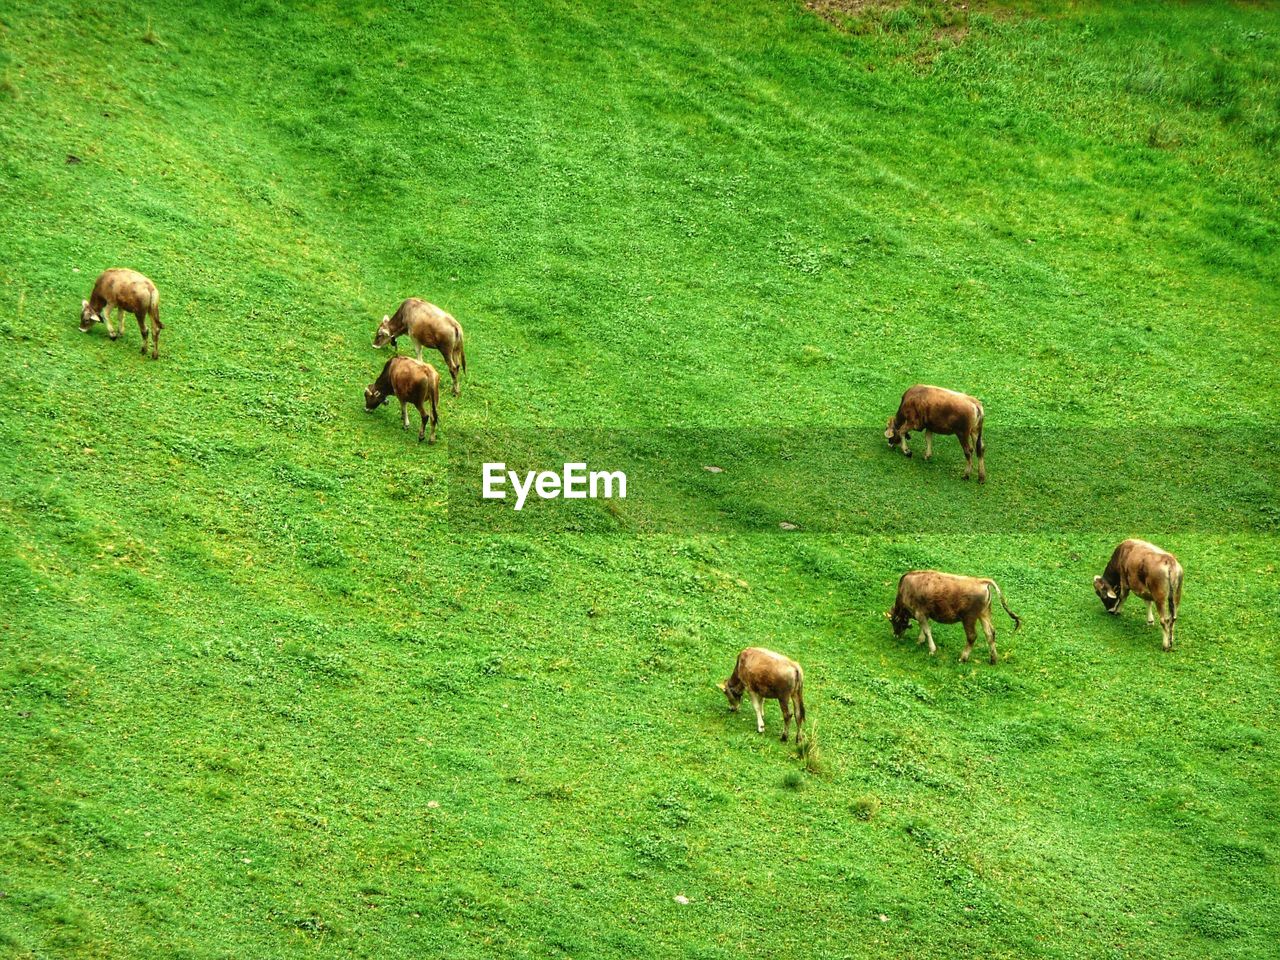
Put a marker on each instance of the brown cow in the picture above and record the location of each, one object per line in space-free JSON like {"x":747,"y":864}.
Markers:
{"x":948,"y":598}
{"x":766,"y":675}
{"x":1153,"y":574}
{"x":412,"y":381}
{"x":127,"y":291}
{"x":428,"y":326}
{"x":938,"y":410}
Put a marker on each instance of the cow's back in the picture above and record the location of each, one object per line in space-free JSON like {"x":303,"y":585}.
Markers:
{"x":411,"y":378}
{"x":126,"y":288}
{"x":1145,"y":565}
{"x":767,"y":673}
{"x":941,"y":410}
{"x":427,"y":323}
{"x":945,"y":597}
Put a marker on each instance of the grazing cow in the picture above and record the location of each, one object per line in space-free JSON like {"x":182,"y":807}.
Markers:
{"x":428,"y":326}
{"x":766,"y":675}
{"x":412,"y":381}
{"x":937,"y":410}
{"x":127,"y":291}
{"x":948,"y":598}
{"x":1153,"y":574}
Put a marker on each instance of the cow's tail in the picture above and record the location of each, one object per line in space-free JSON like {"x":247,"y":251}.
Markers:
{"x":1017,"y":621}
{"x":981,"y":447}
{"x":154,"y":309}
{"x":435,"y":403}
{"x":460,"y":351}
{"x":1175,"y":591}
{"x":799,"y":695}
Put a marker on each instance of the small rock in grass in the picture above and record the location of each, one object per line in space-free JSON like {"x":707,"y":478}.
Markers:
{"x":788,"y":526}
{"x":681,"y":899}
{"x":711,"y":469}
{"x":884,"y":918}
{"x":433,"y":804}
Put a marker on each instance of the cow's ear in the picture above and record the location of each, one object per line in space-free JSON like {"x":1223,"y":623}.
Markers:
{"x":386,"y":317}
{"x":722,"y":686}
{"x":83,"y":304}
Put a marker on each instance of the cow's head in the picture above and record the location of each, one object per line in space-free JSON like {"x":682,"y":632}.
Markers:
{"x":373,"y":397}
{"x":900,"y":618}
{"x":891,"y":433}
{"x":732,"y":692}
{"x":88,"y":317}
{"x":383,"y":336}
{"x":1106,"y":593}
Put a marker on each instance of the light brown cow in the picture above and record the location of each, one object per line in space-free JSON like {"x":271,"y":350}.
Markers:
{"x":412,"y":381}
{"x":1153,"y":574}
{"x":428,"y":326}
{"x":947,"y":598}
{"x":766,"y":675}
{"x":127,"y":291}
{"x":938,"y":410}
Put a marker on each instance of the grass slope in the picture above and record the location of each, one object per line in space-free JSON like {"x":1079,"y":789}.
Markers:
{"x":259,"y":699}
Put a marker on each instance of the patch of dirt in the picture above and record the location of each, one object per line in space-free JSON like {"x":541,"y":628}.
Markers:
{"x":945,"y":18}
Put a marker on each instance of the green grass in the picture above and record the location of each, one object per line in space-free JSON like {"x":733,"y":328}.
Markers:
{"x":260,"y":699}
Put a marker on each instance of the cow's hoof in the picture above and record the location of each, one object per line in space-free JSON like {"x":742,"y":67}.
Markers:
{"x":113,"y":336}
{"x":783,"y":738}
{"x":994,"y":661}
{"x":907,"y":454}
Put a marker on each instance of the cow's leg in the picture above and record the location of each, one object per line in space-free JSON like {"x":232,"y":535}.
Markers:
{"x":786,"y":717}
{"x":111,"y":331}
{"x":969,"y":635}
{"x":453,"y":372}
{"x":404,"y":415}
{"x":1167,"y":622}
{"x":142,"y":328}
{"x":422,"y":430}
{"x":1151,"y":612}
{"x":928,"y":444}
{"x":927,"y":635}
{"x":968,"y":455}
{"x":419,"y":346}
{"x":757,"y":703}
{"x":902,"y":442}
{"x":989,"y":629}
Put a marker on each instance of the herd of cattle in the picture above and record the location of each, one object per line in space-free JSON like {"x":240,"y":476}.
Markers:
{"x":923,"y":595}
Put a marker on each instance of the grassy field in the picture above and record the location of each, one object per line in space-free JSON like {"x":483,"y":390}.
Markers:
{"x":260,"y":698}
